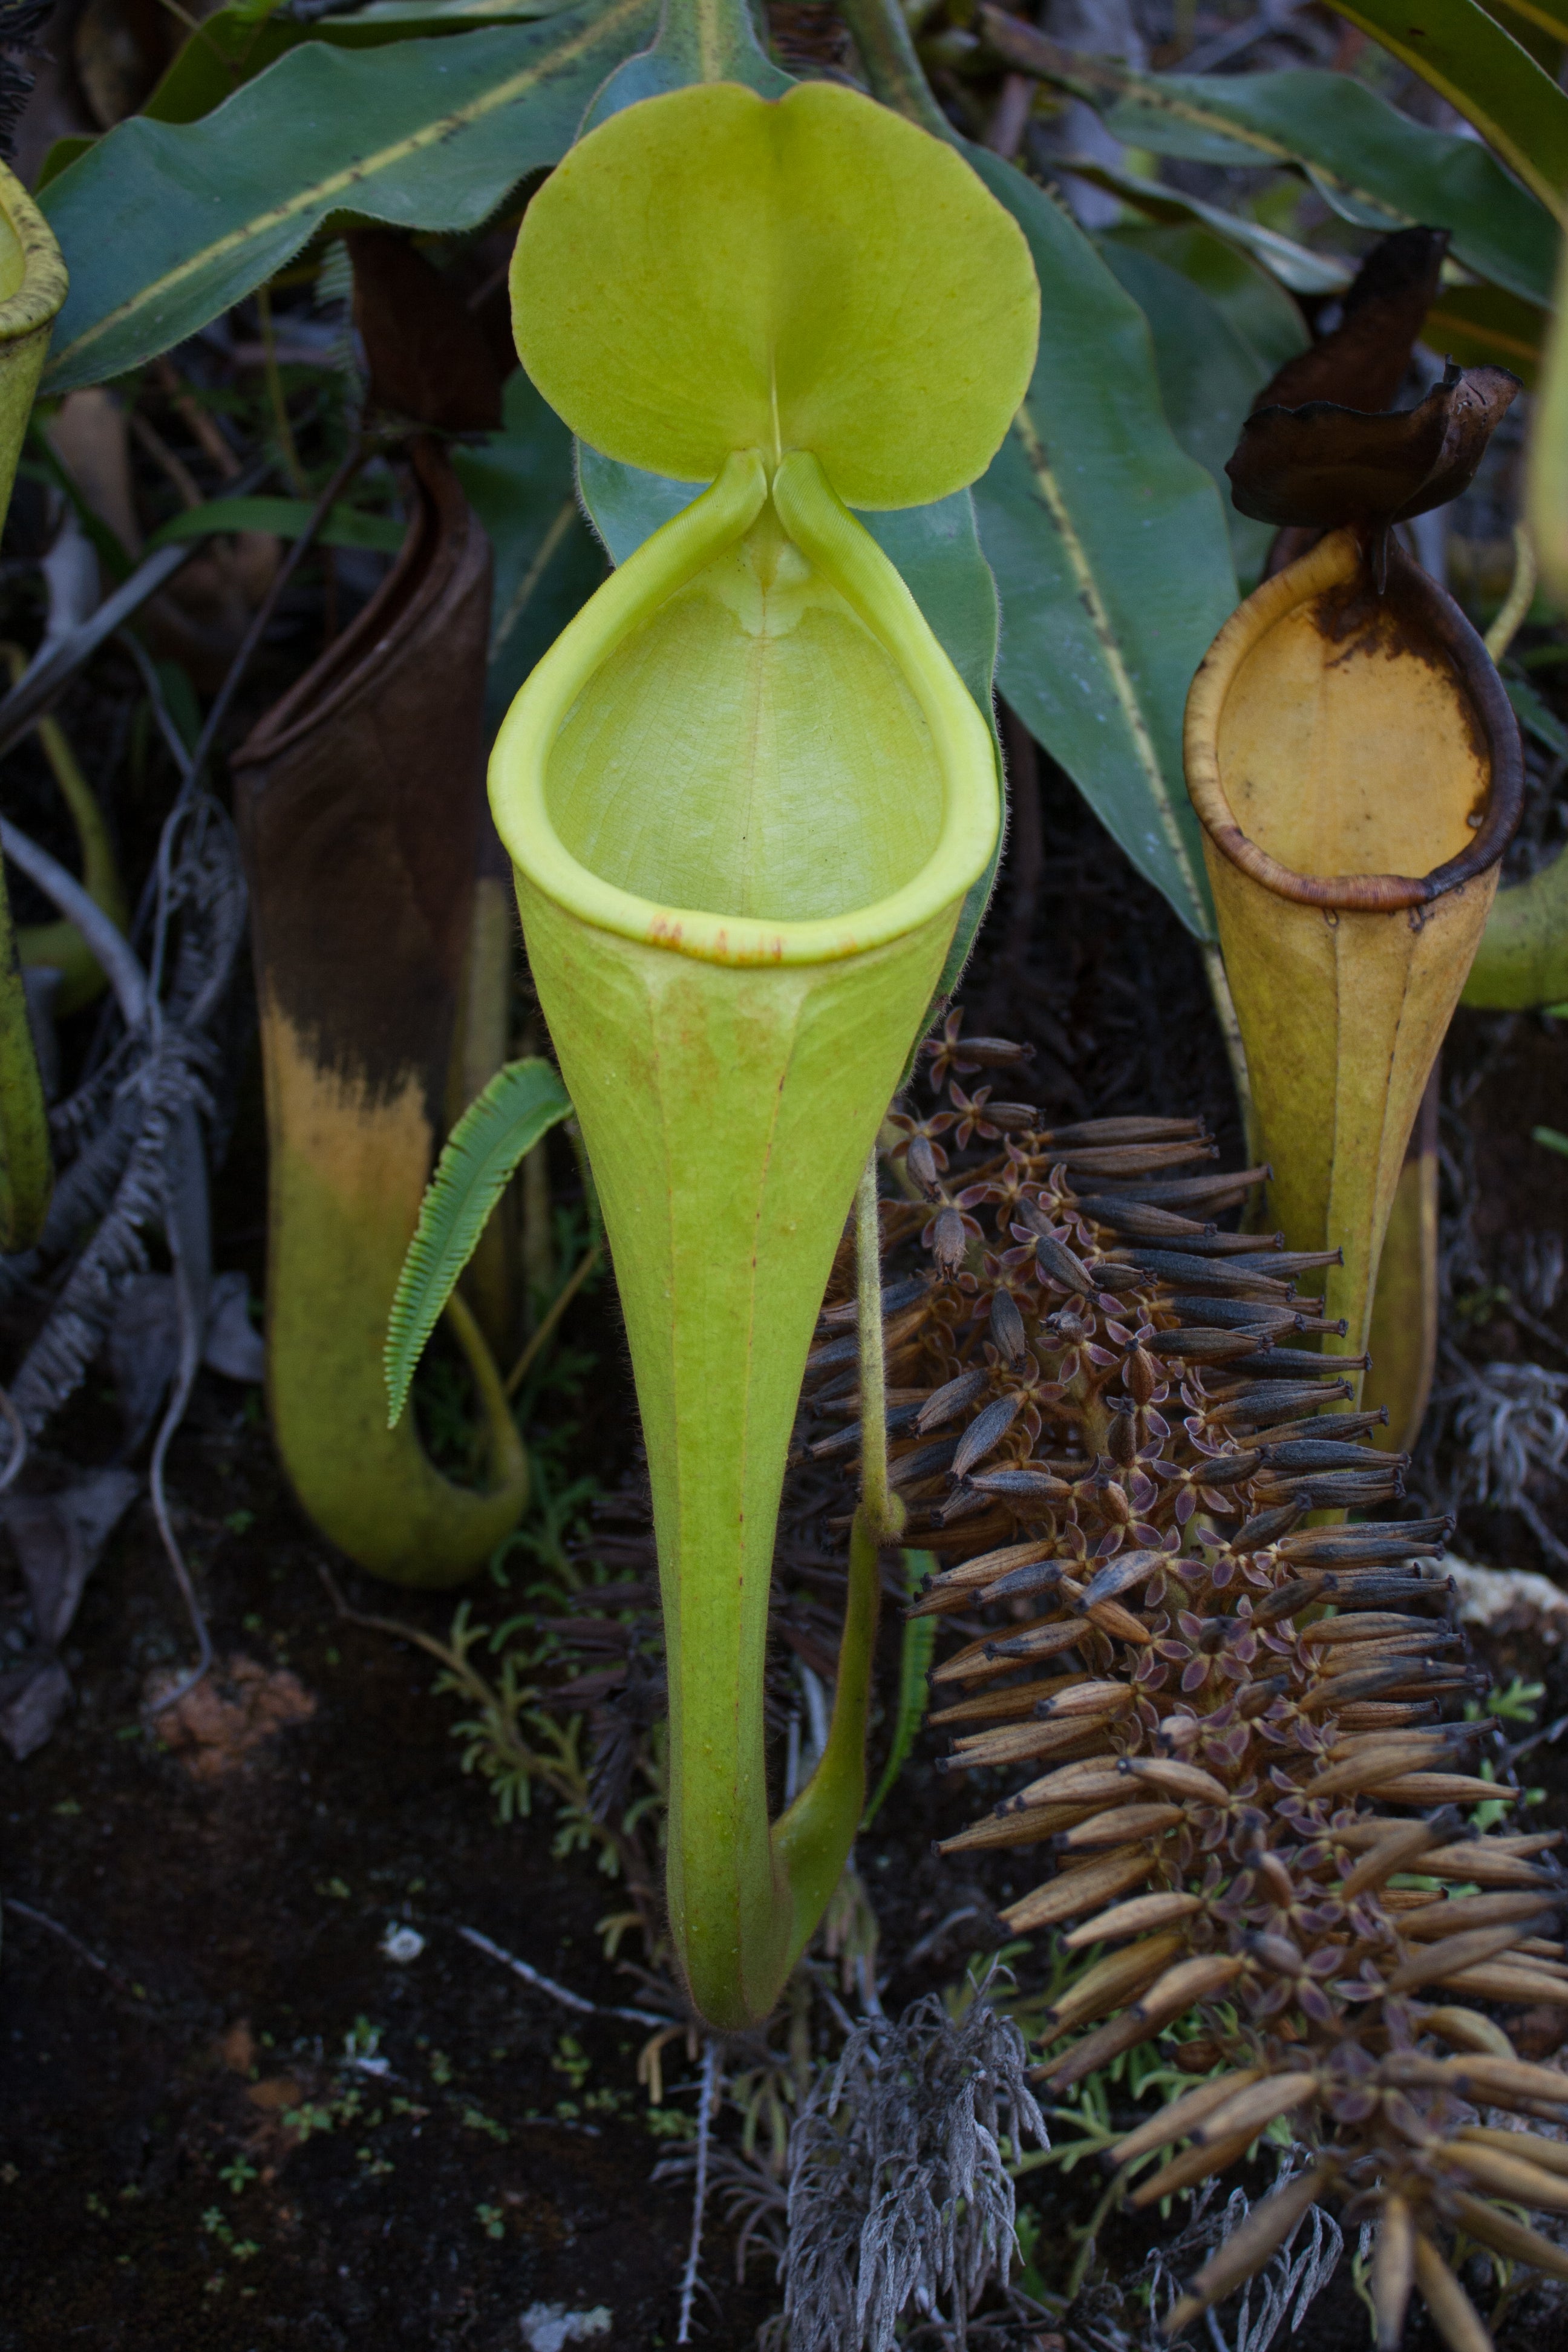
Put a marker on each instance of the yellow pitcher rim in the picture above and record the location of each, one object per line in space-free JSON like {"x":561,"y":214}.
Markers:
{"x":45,"y":282}
{"x":838,"y":546}
{"x":1334,"y":560}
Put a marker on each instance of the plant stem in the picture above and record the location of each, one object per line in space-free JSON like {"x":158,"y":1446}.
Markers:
{"x":883,"y":1509}
{"x":894,"y":71}
{"x":914,"y":1662}
{"x":101,"y":933}
{"x":291,"y":456}
{"x":99,"y":872}
{"x":1516,"y":605}
{"x":508,"y":1455}
{"x":478,"y":1053}
{"x":1107,"y":2202}
{"x":812,"y":1839}
{"x":537,"y":1249}
{"x":558,"y":1305}
{"x":1235,"y":1051}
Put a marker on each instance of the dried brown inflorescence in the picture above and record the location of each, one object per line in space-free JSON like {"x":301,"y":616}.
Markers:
{"x":1108,"y":1421}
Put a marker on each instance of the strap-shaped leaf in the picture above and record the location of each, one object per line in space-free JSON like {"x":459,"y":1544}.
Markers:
{"x":1371,"y":162}
{"x":521,"y":1103}
{"x":24,"y":1173}
{"x":1547,"y":495}
{"x":345,"y":526}
{"x":1477,"y":65}
{"x":164,"y":224}
{"x":1105,"y":596}
{"x":1295,"y":265}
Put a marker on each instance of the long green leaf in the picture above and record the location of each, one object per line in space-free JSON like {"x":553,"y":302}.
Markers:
{"x":937,"y":548}
{"x":520,"y":484}
{"x":1108,"y":544}
{"x":236,"y":44}
{"x":459,"y":14}
{"x":164,"y":224}
{"x":26,"y":1177}
{"x":627,"y":506}
{"x":521,"y":1103}
{"x":1549,"y":16}
{"x":1295,"y":265}
{"x":1535,"y":718}
{"x":1209,"y":374}
{"x":1486,"y":74}
{"x":1110,"y":551}
{"x":1369,"y":161}
{"x":1485,"y":326}
{"x":1374,"y":165}
{"x":287,"y":518}
{"x":1546,"y":493}
{"x":1254,"y":305}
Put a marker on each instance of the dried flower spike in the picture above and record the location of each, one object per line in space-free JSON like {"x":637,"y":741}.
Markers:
{"x":1232,"y":1790}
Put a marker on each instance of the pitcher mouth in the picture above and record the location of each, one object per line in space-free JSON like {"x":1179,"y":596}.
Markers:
{"x":1331,"y":564}
{"x":44,"y":285}
{"x":837,"y":547}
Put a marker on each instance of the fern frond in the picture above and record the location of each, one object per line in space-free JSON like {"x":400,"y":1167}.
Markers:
{"x":914,"y":1688}
{"x":521,"y":1104}
{"x":167,"y":1083}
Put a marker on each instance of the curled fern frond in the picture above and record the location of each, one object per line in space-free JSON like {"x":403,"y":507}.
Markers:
{"x":521,"y":1104}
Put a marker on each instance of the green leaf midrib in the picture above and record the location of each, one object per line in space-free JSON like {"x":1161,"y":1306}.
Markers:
{"x":299,"y":97}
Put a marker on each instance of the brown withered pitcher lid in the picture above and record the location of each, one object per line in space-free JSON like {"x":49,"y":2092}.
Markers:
{"x":1349,"y":743}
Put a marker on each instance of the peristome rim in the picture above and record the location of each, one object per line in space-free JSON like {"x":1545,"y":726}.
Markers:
{"x":972,"y":811}
{"x":1334,"y":559}
{"x":45,"y":281}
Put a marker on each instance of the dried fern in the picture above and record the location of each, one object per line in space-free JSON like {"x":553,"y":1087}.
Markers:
{"x":119,"y":1135}
{"x":899,"y":2192}
{"x":21,"y":22}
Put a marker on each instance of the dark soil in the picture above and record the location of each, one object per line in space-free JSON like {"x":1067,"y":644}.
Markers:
{"x":453,"y":2160}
